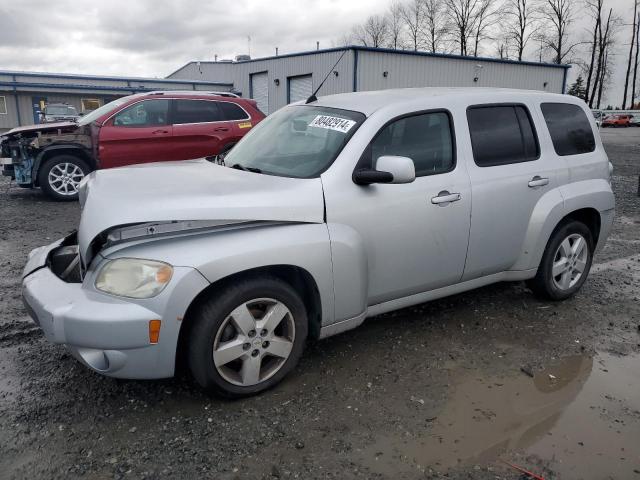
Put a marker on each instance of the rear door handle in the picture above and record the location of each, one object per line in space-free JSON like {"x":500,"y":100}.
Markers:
{"x":443,"y":198}
{"x":538,"y":181}
{"x":221,"y":129}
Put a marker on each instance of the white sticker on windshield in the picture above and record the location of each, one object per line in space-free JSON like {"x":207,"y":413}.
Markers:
{"x":332,"y":123}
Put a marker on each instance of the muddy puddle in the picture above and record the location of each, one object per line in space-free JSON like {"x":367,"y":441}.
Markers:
{"x":580,"y":416}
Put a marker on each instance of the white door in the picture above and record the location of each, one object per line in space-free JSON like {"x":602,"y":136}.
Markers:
{"x":260,"y":91}
{"x":300,"y":88}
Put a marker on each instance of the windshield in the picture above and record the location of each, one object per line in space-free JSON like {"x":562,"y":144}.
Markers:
{"x":60,"y":110}
{"x":98,"y":112}
{"x":300,"y":141}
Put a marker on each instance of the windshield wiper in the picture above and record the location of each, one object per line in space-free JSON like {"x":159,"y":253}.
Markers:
{"x":237,"y":166}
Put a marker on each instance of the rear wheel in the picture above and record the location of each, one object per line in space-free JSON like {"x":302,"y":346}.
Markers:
{"x":248,"y":337}
{"x":60,"y":176}
{"x":565,"y":263}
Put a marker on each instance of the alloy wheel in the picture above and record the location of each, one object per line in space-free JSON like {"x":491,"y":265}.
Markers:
{"x":64,"y":178}
{"x":254,"y":341}
{"x":570,"y":261}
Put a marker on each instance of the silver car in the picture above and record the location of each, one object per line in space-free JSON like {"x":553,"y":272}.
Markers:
{"x":325,"y":214}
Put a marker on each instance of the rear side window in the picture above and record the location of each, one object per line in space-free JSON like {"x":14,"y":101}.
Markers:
{"x":569,"y":127}
{"x":195,"y":111}
{"x":231,"y":111}
{"x":427,"y":139}
{"x":502,"y":134}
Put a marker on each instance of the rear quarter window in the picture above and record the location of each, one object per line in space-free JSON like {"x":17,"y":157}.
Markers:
{"x":231,"y":111}
{"x":569,"y":127}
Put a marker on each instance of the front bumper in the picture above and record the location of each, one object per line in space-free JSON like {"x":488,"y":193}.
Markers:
{"x":109,"y":334}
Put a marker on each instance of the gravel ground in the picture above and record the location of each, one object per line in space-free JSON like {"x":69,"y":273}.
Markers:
{"x":450,"y":389}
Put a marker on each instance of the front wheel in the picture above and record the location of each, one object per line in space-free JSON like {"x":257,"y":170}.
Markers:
{"x":248,"y":337}
{"x":565,"y":263}
{"x":60,"y":176}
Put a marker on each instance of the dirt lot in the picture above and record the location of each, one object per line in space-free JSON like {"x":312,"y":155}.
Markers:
{"x":439,"y":390}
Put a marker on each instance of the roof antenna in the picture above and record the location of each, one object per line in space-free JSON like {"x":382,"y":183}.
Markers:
{"x":313,"y":97}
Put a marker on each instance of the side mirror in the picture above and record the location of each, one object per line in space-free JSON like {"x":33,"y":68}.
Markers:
{"x":389,"y":169}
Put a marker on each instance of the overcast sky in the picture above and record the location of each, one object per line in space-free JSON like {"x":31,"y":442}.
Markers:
{"x":153,"y":38}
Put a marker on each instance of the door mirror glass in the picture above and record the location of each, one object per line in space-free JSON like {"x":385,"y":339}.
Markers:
{"x":389,"y":169}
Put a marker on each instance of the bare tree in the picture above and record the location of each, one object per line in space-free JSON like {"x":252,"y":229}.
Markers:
{"x":520,"y":16}
{"x":373,"y":32}
{"x":396,"y":25}
{"x":595,"y":9}
{"x":631,"y":45}
{"x":462,"y":15}
{"x":413,"y":14}
{"x":485,"y":17}
{"x":560,"y":15}
{"x":436,"y":27}
{"x":634,"y":85}
{"x":605,"y":36}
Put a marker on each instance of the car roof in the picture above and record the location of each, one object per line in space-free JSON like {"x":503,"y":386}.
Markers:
{"x":370,"y":101}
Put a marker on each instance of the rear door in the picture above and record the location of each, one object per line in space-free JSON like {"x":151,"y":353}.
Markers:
{"x":509,"y":175}
{"x":199,"y":128}
{"x":139,"y":133}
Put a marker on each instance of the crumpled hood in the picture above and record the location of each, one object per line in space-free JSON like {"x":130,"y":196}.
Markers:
{"x":192,"y":190}
{"x":42,"y":127}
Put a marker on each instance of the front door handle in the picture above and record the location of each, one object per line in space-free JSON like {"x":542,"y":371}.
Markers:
{"x":157,"y":132}
{"x":538,"y":181}
{"x":444,"y":198}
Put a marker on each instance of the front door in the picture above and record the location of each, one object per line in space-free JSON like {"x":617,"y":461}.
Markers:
{"x":415,"y":234}
{"x":139,"y":133}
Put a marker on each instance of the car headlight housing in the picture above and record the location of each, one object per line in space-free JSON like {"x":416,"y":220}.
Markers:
{"x":134,"y":277}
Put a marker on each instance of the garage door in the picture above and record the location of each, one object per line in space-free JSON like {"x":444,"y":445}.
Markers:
{"x":300,"y":88}
{"x":260,"y":91}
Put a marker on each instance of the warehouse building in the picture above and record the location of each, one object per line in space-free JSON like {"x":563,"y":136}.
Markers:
{"x":24,"y":94}
{"x":276,"y":81}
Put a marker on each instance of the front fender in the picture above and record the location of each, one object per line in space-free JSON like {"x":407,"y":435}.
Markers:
{"x":219,"y":254}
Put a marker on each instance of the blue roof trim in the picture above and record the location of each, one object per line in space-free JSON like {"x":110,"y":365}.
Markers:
{"x":98,"y":77}
{"x":17,"y":87}
{"x":386,"y":50}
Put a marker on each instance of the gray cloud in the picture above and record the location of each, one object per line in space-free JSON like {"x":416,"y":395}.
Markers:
{"x":152,"y":38}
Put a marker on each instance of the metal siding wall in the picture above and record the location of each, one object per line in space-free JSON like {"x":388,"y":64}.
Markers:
{"x":422,"y":71}
{"x":316,"y":64}
{"x":9,"y":120}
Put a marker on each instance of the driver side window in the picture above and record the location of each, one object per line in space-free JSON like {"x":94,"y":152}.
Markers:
{"x":147,"y":113}
{"x":425,"y":138}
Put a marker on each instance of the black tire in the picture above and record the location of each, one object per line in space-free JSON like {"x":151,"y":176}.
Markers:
{"x":543,"y":284}
{"x":53,"y":190}
{"x":210,"y":318}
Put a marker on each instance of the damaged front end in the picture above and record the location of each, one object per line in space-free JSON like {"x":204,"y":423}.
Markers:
{"x":22,"y":149}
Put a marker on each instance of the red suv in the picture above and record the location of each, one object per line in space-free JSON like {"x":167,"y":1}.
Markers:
{"x":149,"y":127}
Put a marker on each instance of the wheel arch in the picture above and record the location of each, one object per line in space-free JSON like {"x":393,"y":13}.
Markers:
{"x":68,"y":149}
{"x":297,"y":277}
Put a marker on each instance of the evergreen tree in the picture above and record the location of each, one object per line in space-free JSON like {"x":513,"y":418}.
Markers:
{"x":577,"y":88}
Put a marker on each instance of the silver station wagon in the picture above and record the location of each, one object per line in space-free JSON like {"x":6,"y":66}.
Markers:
{"x":325,"y":214}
